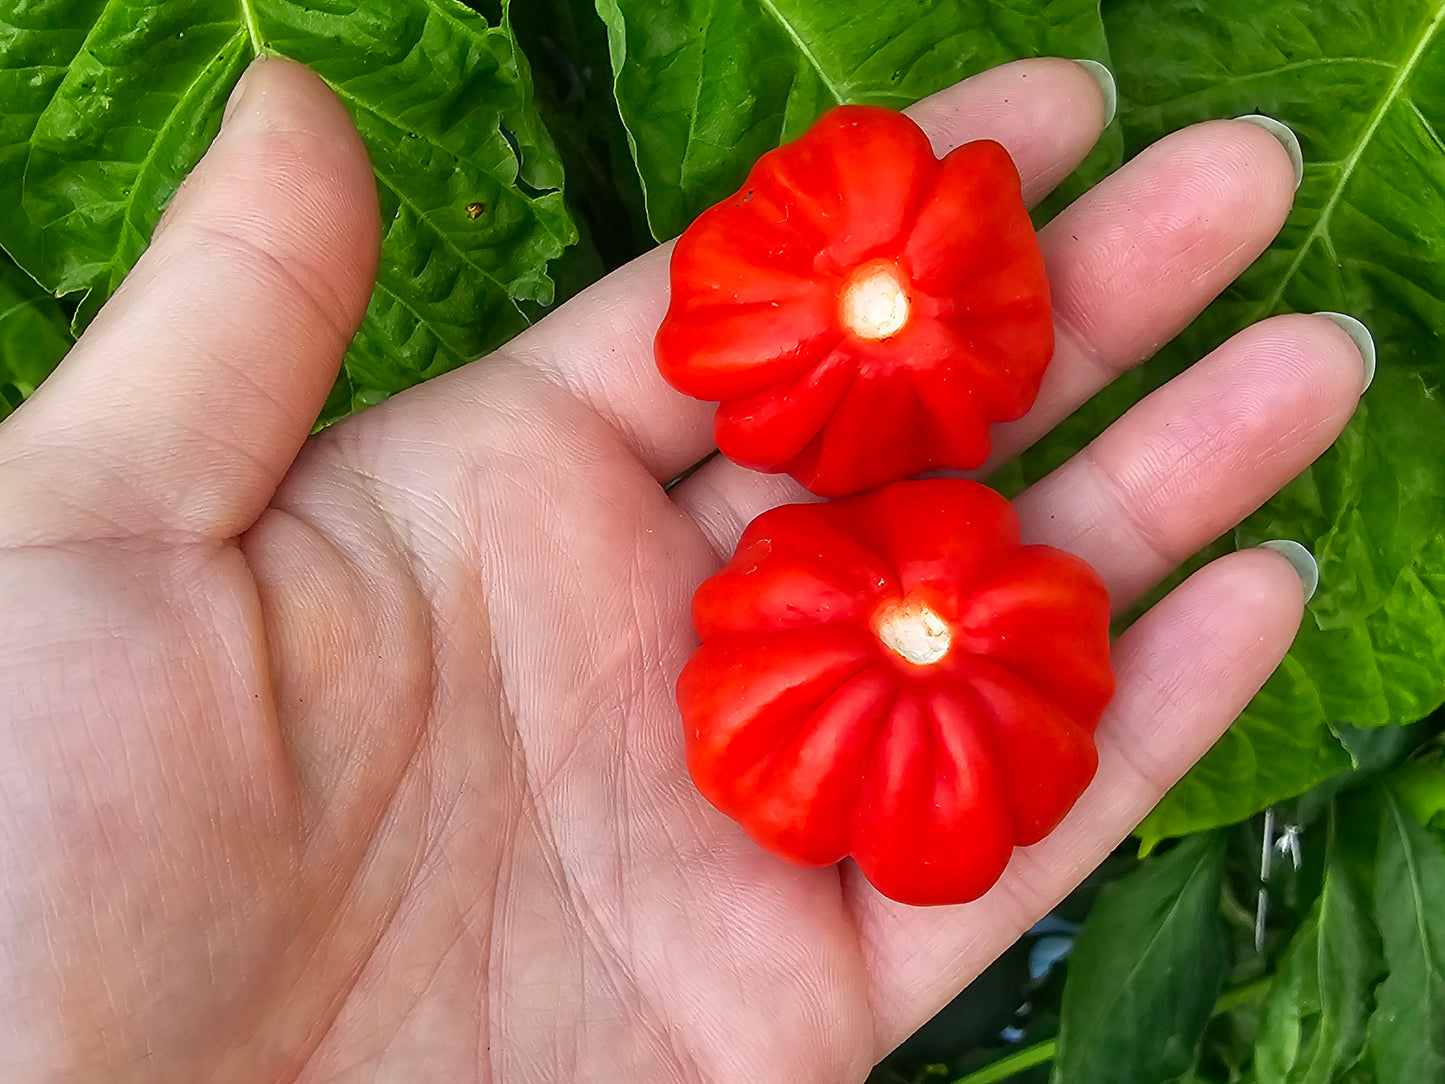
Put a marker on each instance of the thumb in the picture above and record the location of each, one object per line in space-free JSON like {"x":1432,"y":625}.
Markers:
{"x":185,"y":402}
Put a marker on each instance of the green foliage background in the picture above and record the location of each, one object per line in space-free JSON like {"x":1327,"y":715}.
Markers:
{"x":584,"y":132}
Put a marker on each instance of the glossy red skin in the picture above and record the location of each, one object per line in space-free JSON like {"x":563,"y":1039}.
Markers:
{"x":823,"y":742}
{"x":754,"y":317}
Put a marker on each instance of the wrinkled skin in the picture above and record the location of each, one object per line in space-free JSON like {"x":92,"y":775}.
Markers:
{"x":362,"y":763}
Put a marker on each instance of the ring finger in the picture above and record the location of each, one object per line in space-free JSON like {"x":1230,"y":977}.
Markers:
{"x":1182,"y":466}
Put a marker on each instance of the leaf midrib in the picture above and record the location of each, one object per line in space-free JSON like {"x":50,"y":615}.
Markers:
{"x":833,"y":88}
{"x":143,"y":167}
{"x":447,"y":240}
{"x":1411,"y":868}
{"x":146,"y":164}
{"x":1391,"y":96}
{"x":5,"y":314}
{"x":442,"y":235}
{"x":253,"y":26}
{"x":1154,"y":941}
{"x":1329,"y":992}
{"x":798,"y":41}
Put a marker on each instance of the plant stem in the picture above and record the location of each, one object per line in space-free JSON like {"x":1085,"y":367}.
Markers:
{"x":1014,"y":1063}
{"x":1029,"y":1056}
{"x":1242,"y":995}
{"x":253,"y":27}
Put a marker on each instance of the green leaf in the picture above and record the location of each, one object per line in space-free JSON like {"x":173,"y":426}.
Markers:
{"x":1145,"y":971}
{"x":705,"y":87}
{"x":1364,"y":87}
{"x":108,"y":103}
{"x":1283,"y":748}
{"x":34,"y":335}
{"x":1314,"y":1021}
{"x":1374,"y":751}
{"x":1420,"y":787}
{"x":1227,"y":1050}
{"x":1407,"y":1030}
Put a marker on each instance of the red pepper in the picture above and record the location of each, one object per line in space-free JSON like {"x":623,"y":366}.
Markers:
{"x":895,"y":677}
{"x":861,"y":310}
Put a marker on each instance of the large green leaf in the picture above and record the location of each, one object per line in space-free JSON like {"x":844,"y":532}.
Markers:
{"x":34,"y":335}
{"x":1314,"y":1021}
{"x":108,"y":103}
{"x":1282,"y":742}
{"x":1375,"y":750}
{"x":1407,"y":1030}
{"x":707,"y":86}
{"x":1145,"y":971}
{"x":1363,"y":84}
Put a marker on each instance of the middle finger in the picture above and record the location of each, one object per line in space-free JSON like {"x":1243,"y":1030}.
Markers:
{"x":1188,"y":462}
{"x":1132,"y":262}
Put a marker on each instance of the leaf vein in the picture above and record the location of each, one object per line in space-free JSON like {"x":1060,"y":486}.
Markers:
{"x":1322,"y":224}
{"x":1173,"y":909}
{"x":253,"y":25}
{"x":446,"y":347}
{"x":1411,"y":864}
{"x":346,"y":95}
{"x":1429,"y":128}
{"x":833,"y":88}
{"x":24,"y":303}
{"x":696,"y":99}
{"x":423,"y":216}
{"x":127,"y":218}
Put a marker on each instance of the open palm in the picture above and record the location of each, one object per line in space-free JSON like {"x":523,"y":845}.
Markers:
{"x":363,"y":762}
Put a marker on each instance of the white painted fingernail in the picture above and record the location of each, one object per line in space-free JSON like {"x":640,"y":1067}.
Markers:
{"x":1105,"y":79}
{"x":1303,"y":561}
{"x":1287,"y":139}
{"x":1363,"y":339}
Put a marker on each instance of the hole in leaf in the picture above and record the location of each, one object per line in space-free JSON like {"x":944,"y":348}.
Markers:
{"x":490,"y":10}
{"x":531,"y":191}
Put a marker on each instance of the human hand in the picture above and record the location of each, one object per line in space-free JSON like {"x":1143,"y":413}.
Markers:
{"x":363,"y":763}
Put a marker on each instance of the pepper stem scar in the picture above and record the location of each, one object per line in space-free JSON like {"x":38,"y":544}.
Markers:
{"x":914,"y":632}
{"x":874,"y":301}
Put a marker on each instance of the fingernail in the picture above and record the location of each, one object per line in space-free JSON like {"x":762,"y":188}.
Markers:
{"x":1303,"y":561}
{"x":1287,"y":139}
{"x":1363,"y":339}
{"x":243,"y":90}
{"x":1110,"y":89}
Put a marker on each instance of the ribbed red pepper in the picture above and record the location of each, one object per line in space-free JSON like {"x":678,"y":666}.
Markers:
{"x":895,"y":677}
{"x":861,"y":310}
